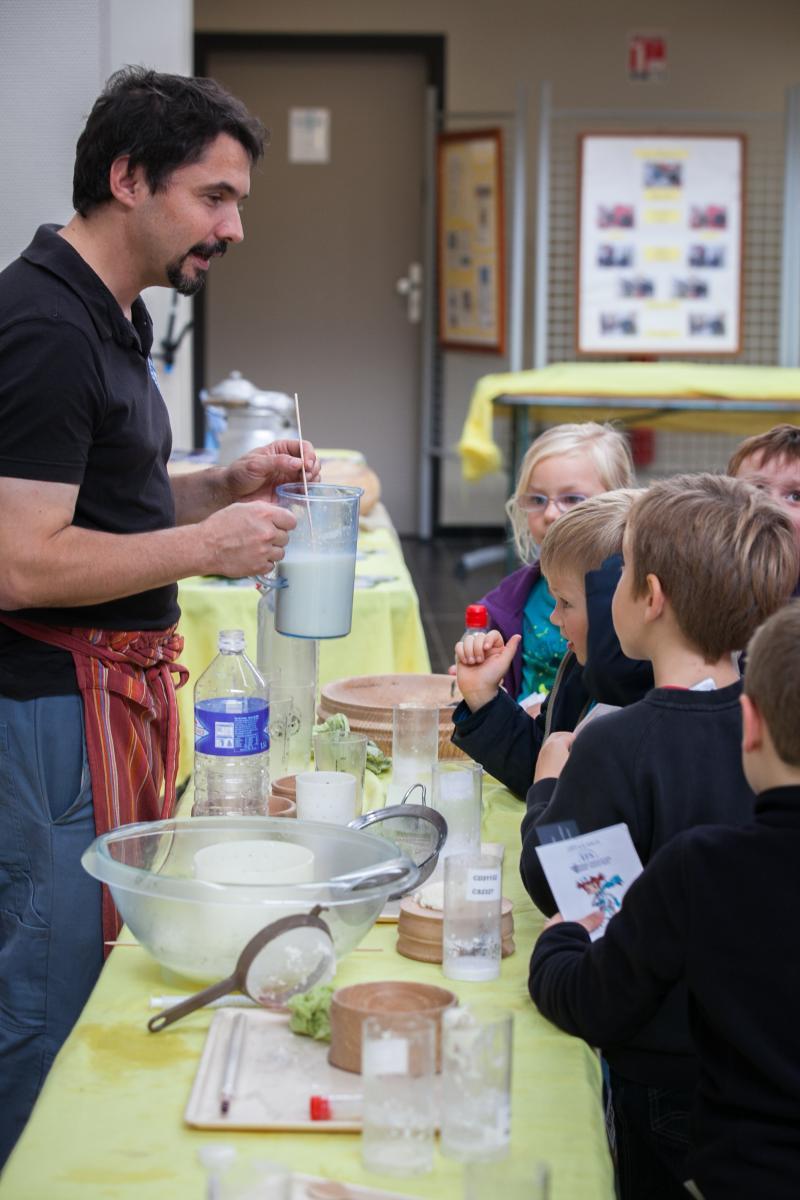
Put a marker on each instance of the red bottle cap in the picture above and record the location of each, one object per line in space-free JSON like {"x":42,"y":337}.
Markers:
{"x":319,"y":1108}
{"x":476,"y":616}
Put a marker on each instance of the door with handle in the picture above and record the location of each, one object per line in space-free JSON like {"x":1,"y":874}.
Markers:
{"x":325,"y":297}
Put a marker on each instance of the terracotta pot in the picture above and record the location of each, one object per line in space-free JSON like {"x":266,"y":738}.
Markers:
{"x":350,"y":1007}
{"x":286,"y":787}
{"x":282,"y":806}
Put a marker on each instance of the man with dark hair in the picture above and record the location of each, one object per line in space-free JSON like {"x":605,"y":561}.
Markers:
{"x":161,"y":122}
{"x":94,"y":534}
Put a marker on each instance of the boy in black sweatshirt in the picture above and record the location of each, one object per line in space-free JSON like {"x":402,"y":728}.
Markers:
{"x":714,"y":910}
{"x":707,"y":559}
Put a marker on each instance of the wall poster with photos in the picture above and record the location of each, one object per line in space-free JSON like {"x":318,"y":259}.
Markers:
{"x":660,"y":244}
{"x":471,"y":241}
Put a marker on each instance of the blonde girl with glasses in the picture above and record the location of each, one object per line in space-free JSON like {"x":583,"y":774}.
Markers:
{"x":562,"y":467}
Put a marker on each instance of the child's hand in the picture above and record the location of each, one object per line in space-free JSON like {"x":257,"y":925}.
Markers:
{"x":482,"y":660}
{"x":553,"y":755}
{"x":590,"y":922}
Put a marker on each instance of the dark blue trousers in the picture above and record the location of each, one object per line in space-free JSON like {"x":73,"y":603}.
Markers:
{"x":51,"y":940}
{"x":651,"y":1127}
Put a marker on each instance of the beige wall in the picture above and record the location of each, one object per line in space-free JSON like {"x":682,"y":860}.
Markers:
{"x":723,"y":54}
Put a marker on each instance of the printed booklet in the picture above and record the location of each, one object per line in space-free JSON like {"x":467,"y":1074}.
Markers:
{"x":591,"y":872}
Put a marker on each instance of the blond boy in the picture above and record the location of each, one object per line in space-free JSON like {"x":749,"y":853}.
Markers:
{"x":707,"y":559}
{"x":581,"y":551}
{"x":710,"y":913}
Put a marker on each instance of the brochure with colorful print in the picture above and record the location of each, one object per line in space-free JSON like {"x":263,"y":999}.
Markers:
{"x":591,"y":873}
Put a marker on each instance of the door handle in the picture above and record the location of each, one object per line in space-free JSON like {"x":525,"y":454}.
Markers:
{"x":410,"y":286}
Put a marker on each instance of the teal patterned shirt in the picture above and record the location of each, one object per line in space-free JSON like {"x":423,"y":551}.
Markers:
{"x":542,"y":645}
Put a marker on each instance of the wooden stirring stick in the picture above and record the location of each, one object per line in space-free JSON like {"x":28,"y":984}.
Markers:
{"x":303,"y":462}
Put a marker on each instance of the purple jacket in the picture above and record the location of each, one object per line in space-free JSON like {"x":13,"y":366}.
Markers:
{"x":506,"y":605}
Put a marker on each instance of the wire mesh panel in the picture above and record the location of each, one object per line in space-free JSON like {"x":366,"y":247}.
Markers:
{"x":762,"y":219}
{"x":761,"y":273}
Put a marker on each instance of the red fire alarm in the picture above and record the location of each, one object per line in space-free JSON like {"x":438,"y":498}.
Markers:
{"x":647,"y":57}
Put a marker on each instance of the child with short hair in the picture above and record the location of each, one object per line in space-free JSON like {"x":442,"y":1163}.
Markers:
{"x":771,"y":462}
{"x":706,"y":560}
{"x":713,"y":914}
{"x":562,"y":467}
{"x":489,"y":725}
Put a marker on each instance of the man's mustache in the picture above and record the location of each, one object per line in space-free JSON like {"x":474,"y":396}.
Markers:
{"x":210,"y":250}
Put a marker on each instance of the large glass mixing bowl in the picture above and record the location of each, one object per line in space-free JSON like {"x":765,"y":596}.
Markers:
{"x":195,"y":914}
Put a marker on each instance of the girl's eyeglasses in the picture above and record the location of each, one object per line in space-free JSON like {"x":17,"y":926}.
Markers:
{"x":537,"y":502}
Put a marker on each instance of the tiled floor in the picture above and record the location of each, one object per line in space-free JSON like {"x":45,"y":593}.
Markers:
{"x":443,"y":594}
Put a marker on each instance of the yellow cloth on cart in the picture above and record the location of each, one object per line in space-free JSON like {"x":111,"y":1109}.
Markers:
{"x":109,"y":1122}
{"x":480,"y":454}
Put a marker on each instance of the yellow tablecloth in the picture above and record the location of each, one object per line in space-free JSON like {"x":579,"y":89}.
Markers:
{"x":386,"y":638}
{"x":109,"y":1120}
{"x":480,"y":454}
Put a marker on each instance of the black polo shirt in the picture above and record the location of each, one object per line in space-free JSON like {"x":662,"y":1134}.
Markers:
{"x":79,"y":404}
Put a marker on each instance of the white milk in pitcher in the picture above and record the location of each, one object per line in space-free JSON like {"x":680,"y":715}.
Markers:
{"x":318,"y":601}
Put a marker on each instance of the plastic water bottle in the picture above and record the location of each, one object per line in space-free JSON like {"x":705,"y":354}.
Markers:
{"x":476,"y":620}
{"x":231,"y":734}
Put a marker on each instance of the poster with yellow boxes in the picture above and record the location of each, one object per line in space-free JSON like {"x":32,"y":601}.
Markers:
{"x":660,"y":258}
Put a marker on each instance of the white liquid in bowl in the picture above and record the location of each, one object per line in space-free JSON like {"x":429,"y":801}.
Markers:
{"x":254,"y":862}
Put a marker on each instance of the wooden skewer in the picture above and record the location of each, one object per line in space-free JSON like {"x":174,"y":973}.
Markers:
{"x":303,"y":462}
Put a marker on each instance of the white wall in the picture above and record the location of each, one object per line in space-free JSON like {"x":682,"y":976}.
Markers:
{"x":54,"y":58}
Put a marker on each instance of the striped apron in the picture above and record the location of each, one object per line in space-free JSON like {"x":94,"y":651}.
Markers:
{"x":131,"y":722}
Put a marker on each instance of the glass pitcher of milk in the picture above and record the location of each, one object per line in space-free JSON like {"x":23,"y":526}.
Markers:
{"x":314,"y":581}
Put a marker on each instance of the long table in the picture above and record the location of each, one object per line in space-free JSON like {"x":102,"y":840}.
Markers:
{"x":386,"y":638}
{"x":109,"y":1120}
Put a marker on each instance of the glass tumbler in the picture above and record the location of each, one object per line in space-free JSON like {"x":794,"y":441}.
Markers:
{"x":476,"y":1083}
{"x":471,"y":936}
{"x":398,"y":1061}
{"x":513,"y":1179}
{"x":256,"y":1180}
{"x":299,"y":723}
{"x":415,"y":748}
{"x":336,"y":750}
{"x":456,"y":789}
{"x":280,"y":732}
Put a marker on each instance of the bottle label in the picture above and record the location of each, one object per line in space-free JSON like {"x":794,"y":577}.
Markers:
{"x":483,"y":884}
{"x":231,"y":728}
{"x":386,"y":1056}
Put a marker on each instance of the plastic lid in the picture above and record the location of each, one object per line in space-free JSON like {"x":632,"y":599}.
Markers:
{"x":319,"y":1108}
{"x":231,"y":640}
{"x":476,"y":616}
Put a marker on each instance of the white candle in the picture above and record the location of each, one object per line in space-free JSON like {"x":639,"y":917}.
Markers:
{"x":326,"y":796}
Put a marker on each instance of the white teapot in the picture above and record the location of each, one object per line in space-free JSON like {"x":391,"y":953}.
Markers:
{"x":253,"y":417}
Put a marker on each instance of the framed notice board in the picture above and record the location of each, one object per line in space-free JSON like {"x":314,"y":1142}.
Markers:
{"x":471,"y":241}
{"x":660,"y":244}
